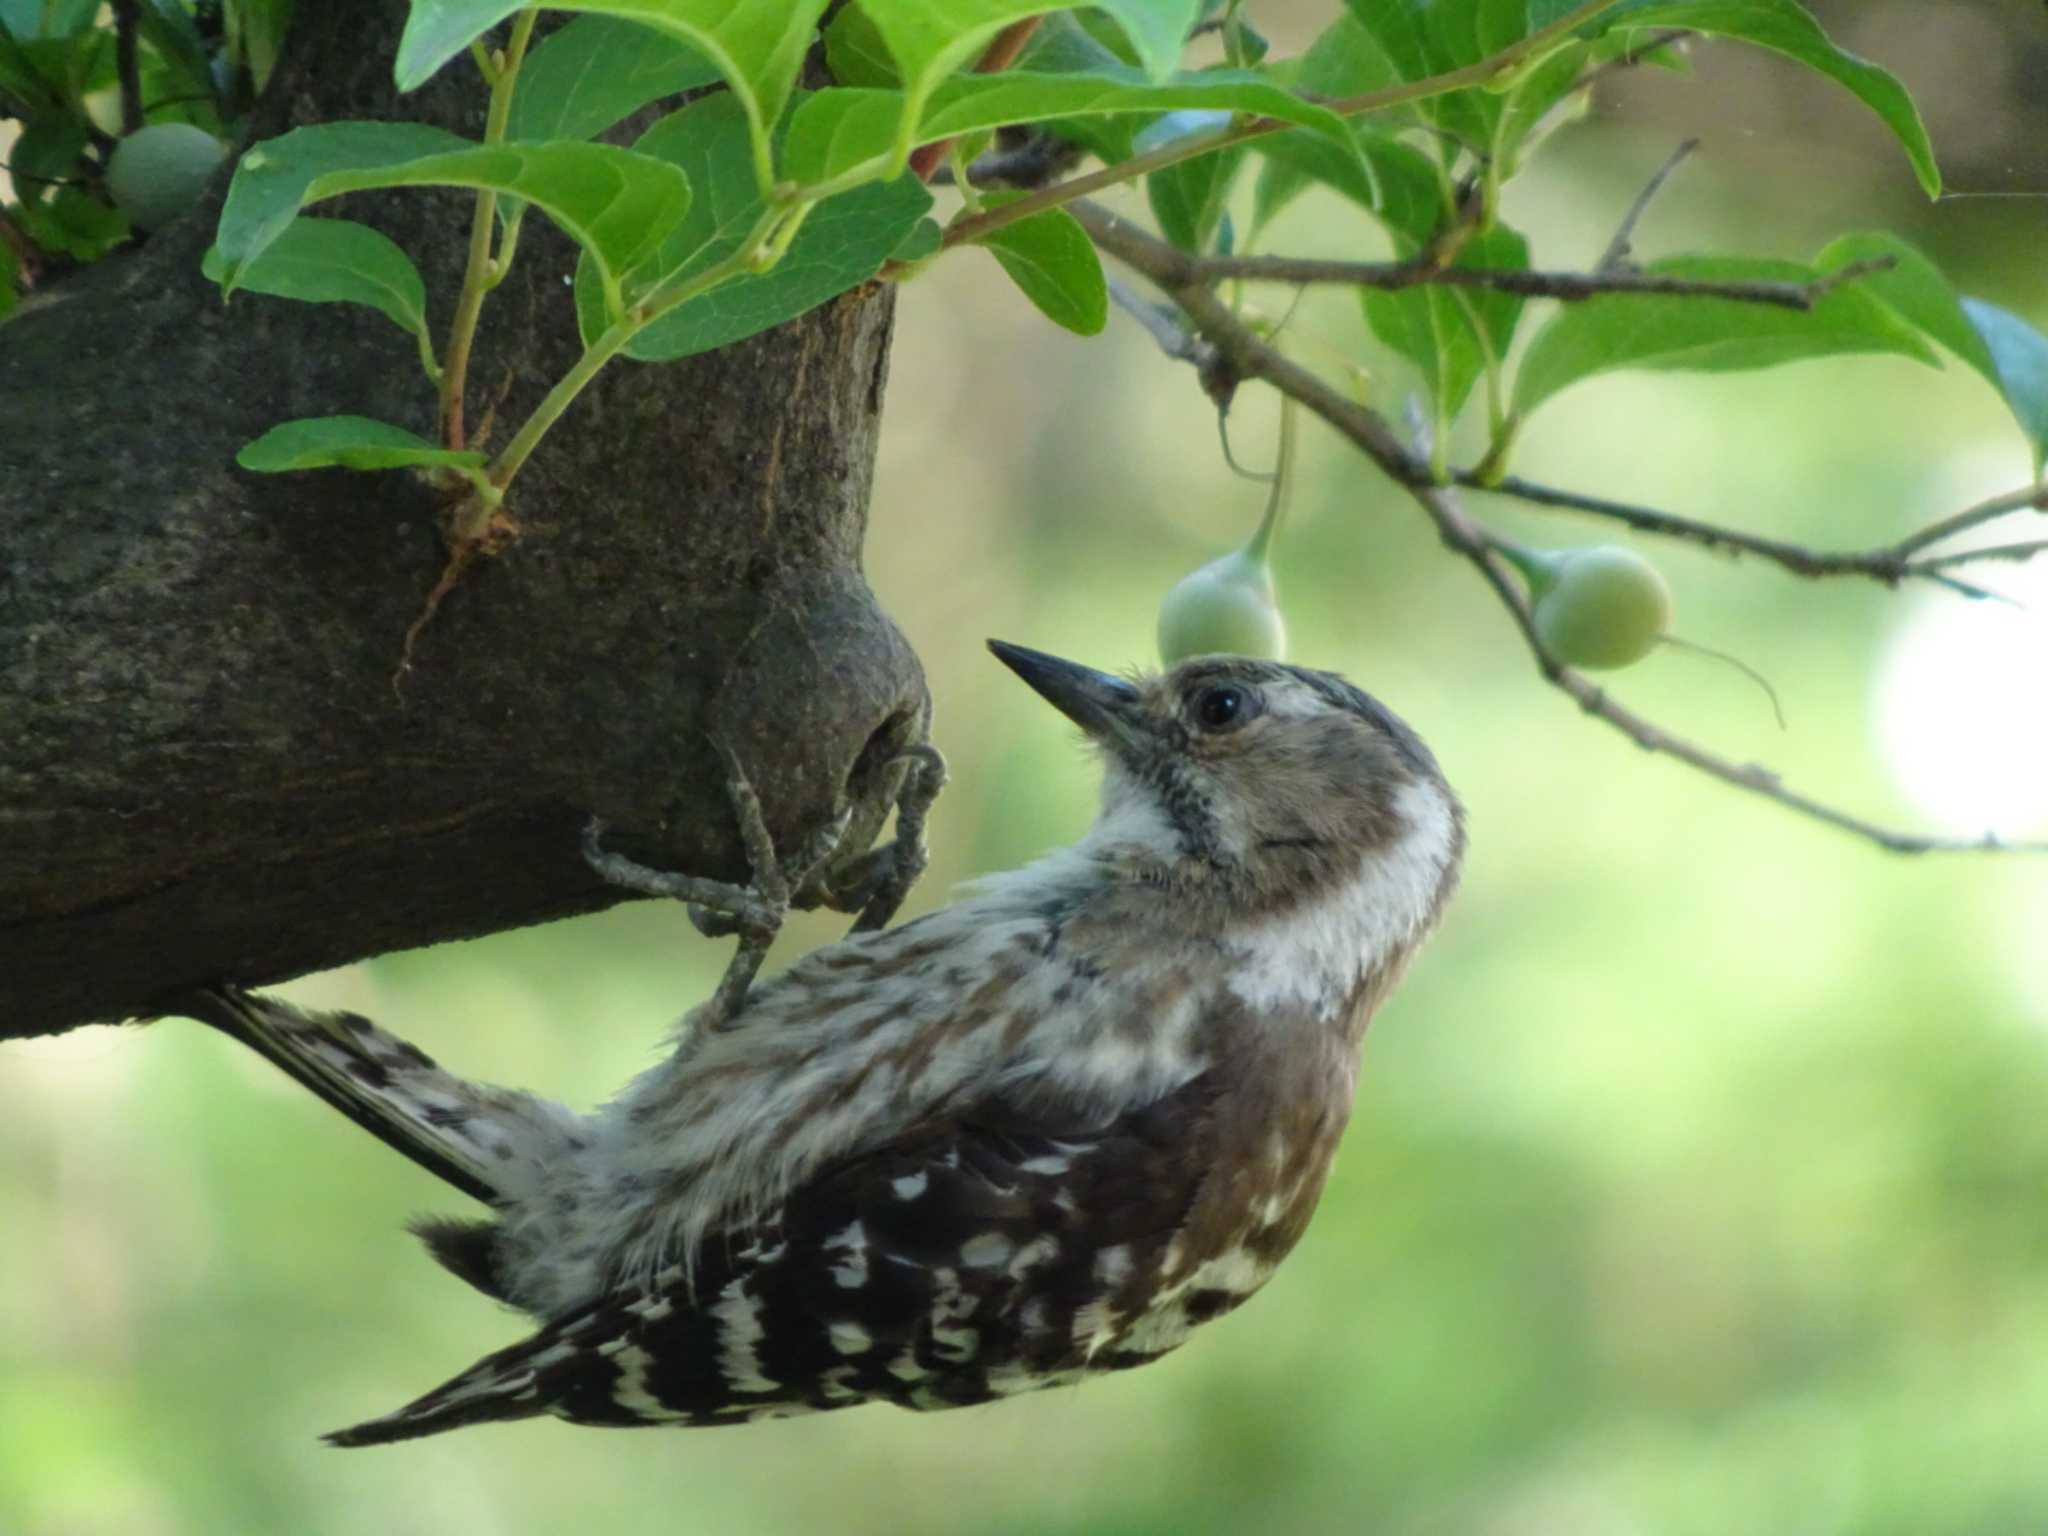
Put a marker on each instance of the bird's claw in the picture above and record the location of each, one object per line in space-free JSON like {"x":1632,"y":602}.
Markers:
{"x":753,"y":913}
{"x":875,"y":883}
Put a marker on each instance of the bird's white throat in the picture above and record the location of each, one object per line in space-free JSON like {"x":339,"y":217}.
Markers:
{"x":1316,"y":955}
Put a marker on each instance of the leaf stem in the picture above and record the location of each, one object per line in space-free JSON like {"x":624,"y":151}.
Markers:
{"x":744,"y":258}
{"x":559,"y":399}
{"x":477,"y":278}
{"x":1283,"y":482}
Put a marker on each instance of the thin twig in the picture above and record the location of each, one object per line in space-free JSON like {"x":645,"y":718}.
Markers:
{"x":127,"y":66}
{"x":1161,"y":323}
{"x":2026,"y":498}
{"x":1253,"y":357}
{"x":503,"y":73}
{"x":1620,"y":248}
{"x":1889,"y":564}
{"x":2013,"y":552}
{"x":1571,"y":287}
{"x":1636,"y":54}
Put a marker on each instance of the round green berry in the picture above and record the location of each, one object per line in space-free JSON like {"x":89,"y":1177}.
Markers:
{"x":1600,"y":607}
{"x":1226,"y":607}
{"x":158,"y":172}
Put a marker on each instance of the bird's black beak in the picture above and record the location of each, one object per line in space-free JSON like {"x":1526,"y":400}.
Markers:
{"x":1104,"y":706}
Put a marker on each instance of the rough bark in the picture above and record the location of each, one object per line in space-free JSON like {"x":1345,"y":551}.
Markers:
{"x":205,"y":769}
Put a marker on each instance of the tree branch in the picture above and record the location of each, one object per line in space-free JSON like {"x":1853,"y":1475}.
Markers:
{"x":127,"y":66}
{"x":1889,"y":564}
{"x":1255,"y":358}
{"x":1619,"y":249}
{"x":2026,"y":498}
{"x":1571,"y":287}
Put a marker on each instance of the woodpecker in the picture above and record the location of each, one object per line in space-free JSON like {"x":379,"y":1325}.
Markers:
{"x":1041,"y":1133}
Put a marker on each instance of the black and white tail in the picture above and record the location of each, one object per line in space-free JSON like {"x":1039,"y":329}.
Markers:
{"x":488,"y":1142}
{"x":498,"y":1387}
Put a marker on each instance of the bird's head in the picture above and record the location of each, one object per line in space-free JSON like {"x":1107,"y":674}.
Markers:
{"x":1270,"y":786}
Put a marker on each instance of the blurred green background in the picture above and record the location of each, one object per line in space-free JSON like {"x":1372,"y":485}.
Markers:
{"x":1699,"y":1181}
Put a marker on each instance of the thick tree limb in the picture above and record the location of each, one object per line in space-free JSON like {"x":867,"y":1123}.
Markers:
{"x":205,"y":771}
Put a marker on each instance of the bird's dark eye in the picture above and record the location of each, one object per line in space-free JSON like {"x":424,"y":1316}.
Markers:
{"x":1224,"y":708}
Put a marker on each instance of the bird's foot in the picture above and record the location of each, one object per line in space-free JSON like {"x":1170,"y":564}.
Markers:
{"x":874,"y":883}
{"x":753,"y":912}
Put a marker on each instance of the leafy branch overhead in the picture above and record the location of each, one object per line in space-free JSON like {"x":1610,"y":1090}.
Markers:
{"x":758,"y":200}
{"x":752,"y":205}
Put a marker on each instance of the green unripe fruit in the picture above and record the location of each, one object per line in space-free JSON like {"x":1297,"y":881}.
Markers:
{"x":1226,"y":607}
{"x":1598,"y":608}
{"x":158,"y":172}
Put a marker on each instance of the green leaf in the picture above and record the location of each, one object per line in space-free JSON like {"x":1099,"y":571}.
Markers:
{"x":708,"y":142}
{"x":1052,"y":259}
{"x":1452,"y":39}
{"x":1451,"y":333}
{"x":596,"y":71}
{"x":614,"y":203}
{"x":347,"y":442}
{"x":1388,"y":44}
{"x":47,"y":151}
{"x":271,"y":180}
{"x":855,"y":53}
{"x":437,"y":30}
{"x":36,"y":72}
{"x":1061,"y":45}
{"x":48,"y":18}
{"x":1393,"y":181}
{"x":842,"y":242}
{"x":82,"y":227}
{"x":2009,"y":354}
{"x":834,"y":131}
{"x":255,"y":35}
{"x":924,"y":240}
{"x":1785,"y":26}
{"x":1709,"y":335}
{"x":757,"y":45}
{"x":991,"y":101}
{"x":336,"y":261}
{"x":929,"y":39}
{"x":21,"y":79}
{"x":1158,"y":29}
{"x":1535,"y":94}
{"x":1917,"y":291}
{"x":1188,"y":199}
{"x":2019,"y":354}
{"x":170,"y":31}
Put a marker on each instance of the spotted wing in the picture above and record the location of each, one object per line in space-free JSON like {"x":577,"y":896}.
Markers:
{"x":993,"y":1254}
